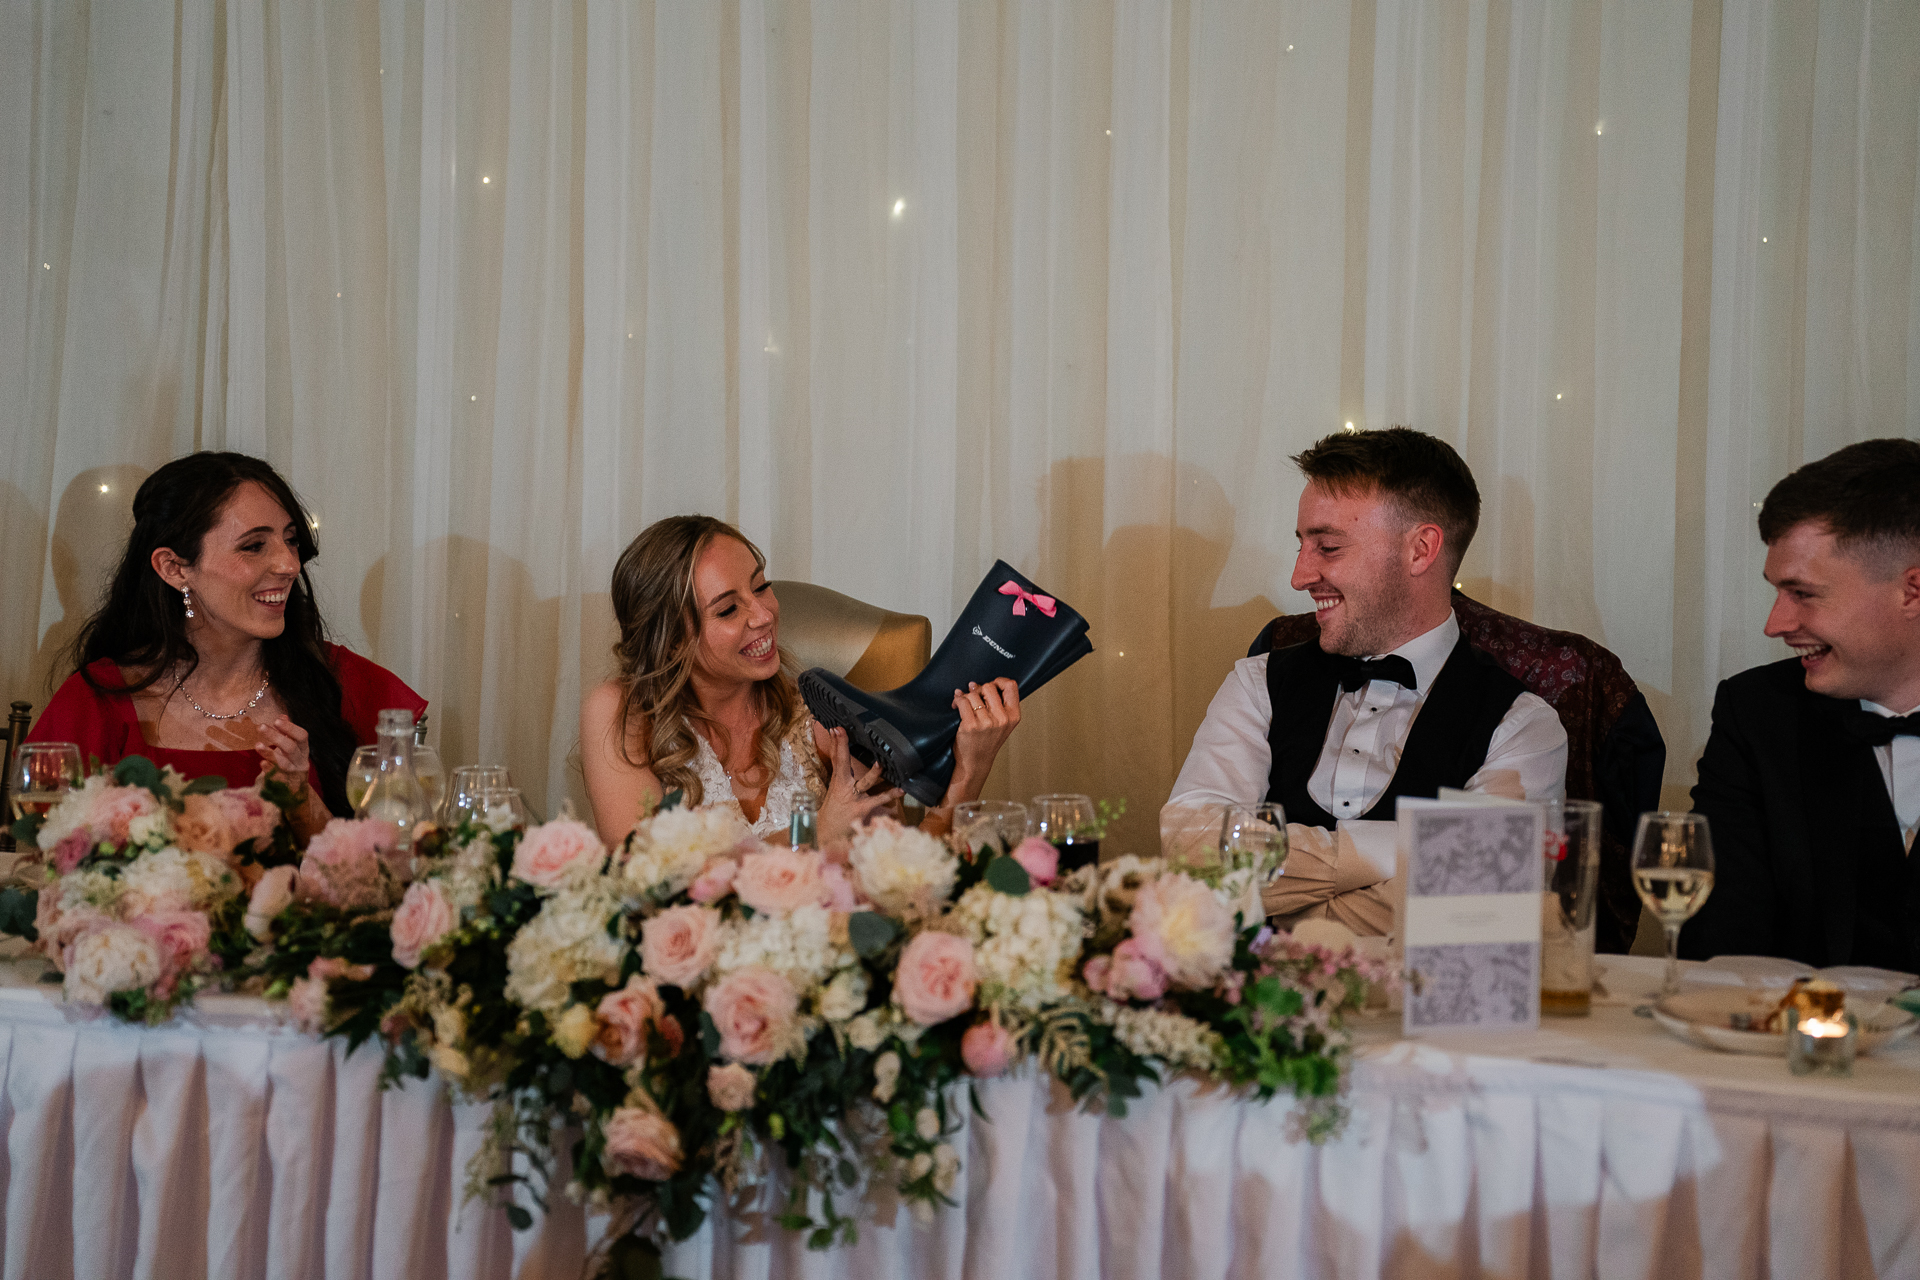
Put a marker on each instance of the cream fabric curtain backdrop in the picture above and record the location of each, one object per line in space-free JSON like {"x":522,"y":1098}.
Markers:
{"x":905,"y":285}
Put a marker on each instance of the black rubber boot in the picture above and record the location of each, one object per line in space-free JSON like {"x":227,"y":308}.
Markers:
{"x":910,"y":730}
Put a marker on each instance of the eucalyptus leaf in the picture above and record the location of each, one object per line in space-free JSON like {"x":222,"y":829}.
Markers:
{"x":671,"y":800}
{"x":519,"y":1219}
{"x":138,"y":771}
{"x":18,"y":907}
{"x":870,"y":932}
{"x":26,"y":831}
{"x":205,"y":786}
{"x":1009,"y":877}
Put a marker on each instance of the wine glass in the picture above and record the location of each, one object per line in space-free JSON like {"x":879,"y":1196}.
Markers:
{"x":362,"y":770}
{"x":1067,"y":822}
{"x":1254,"y":835}
{"x":980,"y":824}
{"x":1673,"y":873}
{"x":500,"y":808}
{"x":468,"y":781}
{"x":433,"y":777}
{"x":41,"y":775}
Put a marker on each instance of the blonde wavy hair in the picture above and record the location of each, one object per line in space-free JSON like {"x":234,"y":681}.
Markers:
{"x":659,"y":616}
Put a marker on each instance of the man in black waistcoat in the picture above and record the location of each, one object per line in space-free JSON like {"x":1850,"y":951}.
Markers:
{"x":1390,"y":702}
{"x":1811,"y":776}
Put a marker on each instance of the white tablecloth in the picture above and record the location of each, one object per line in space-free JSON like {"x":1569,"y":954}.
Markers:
{"x":233,"y":1147}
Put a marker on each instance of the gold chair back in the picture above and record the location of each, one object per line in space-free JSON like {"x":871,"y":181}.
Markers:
{"x":873,"y":648}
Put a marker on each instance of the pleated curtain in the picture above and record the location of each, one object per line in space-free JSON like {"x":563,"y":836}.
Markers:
{"x":903,"y":286}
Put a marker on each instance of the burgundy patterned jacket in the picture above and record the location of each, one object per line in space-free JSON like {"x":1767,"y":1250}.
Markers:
{"x":1615,"y":753}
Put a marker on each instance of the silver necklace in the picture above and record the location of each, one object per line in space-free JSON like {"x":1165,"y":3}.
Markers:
{"x":180,"y":687}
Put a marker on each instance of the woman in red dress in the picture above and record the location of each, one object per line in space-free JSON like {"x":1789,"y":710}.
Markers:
{"x":209,"y":653}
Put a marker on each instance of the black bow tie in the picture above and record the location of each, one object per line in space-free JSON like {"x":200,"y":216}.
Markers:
{"x":1356,"y":672}
{"x":1878,"y":730}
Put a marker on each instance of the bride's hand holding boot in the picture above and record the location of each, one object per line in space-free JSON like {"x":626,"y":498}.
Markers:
{"x":853,"y":795}
{"x":989,"y":714}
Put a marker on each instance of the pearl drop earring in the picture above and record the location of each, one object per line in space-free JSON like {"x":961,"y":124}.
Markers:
{"x":186,"y":597}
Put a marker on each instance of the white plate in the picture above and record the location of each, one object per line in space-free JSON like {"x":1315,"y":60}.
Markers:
{"x":1705,"y":1018}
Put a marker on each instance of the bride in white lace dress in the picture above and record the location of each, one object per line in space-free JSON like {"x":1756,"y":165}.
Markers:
{"x":705,"y":702}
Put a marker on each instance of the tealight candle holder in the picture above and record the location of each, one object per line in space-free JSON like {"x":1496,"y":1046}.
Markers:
{"x":1822,"y":1044}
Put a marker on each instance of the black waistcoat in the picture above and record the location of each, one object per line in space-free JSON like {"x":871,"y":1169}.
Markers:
{"x":1446,"y":746}
{"x":1887,"y":883}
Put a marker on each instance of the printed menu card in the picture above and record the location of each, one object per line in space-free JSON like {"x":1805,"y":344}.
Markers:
{"x":1469,"y":924}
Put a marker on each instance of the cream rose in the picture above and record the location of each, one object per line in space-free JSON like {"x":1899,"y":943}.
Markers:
{"x":203,"y":826}
{"x":936,"y":977}
{"x":272,"y":894}
{"x":426,"y":915}
{"x":679,"y":945}
{"x":558,"y":852}
{"x":779,"y":880}
{"x":641,"y":1144}
{"x":1183,"y":927}
{"x":753,"y":1009}
{"x":113,"y":957}
{"x":730,"y":1086}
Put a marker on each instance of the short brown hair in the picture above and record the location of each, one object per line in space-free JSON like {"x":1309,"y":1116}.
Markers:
{"x":1423,"y":476}
{"x":1867,"y":495}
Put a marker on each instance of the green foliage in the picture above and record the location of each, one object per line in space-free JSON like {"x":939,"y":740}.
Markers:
{"x":204,"y":786}
{"x":18,"y":908}
{"x":26,"y":831}
{"x":138,"y":771}
{"x":871,"y":933}
{"x":1008,"y":877}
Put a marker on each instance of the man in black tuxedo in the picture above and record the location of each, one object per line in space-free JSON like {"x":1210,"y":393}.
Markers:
{"x":1811,"y":776}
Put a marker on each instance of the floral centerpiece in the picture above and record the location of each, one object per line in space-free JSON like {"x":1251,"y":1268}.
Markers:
{"x":656,"y":1023}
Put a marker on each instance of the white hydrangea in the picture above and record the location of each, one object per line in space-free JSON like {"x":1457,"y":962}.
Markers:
{"x":1177,"y":1040}
{"x":175,"y":878}
{"x":902,"y":870}
{"x":667,"y":851}
{"x":1024,"y":948}
{"x":151,"y":829}
{"x":799,"y":946}
{"x":93,"y":888}
{"x":567,"y":942}
{"x":71,"y":813}
{"x":844,"y":996}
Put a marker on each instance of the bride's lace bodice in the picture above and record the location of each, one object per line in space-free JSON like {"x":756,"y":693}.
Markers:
{"x":799,"y":771}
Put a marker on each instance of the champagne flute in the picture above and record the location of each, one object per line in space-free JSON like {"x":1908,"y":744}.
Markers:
{"x":362,"y":770}
{"x":1254,"y":835}
{"x":1673,"y":873}
{"x":982,"y":824}
{"x":41,"y":775}
{"x":1067,"y":822}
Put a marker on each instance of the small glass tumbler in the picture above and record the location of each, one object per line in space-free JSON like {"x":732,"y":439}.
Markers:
{"x":1820,"y":1044}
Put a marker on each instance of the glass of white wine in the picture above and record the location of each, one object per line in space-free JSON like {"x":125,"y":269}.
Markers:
{"x":1673,"y":872}
{"x":1254,"y":835}
{"x":433,"y":777}
{"x":361,"y":772}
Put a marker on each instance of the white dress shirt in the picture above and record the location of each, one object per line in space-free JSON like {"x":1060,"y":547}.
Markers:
{"x":1232,"y":756}
{"x":1900,"y":767}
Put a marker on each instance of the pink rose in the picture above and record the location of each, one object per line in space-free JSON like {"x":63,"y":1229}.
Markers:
{"x":353,"y":863}
{"x":181,"y":936}
{"x":323,"y":968}
{"x":1097,"y":972}
{"x":936,"y":979}
{"x":641,"y":1144}
{"x":114,"y":812}
{"x":555,"y":852}
{"x":625,"y":1017}
{"x":753,"y":1009}
{"x":679,"y":945}
{"x":74,"y":846}
{"x":837,"y":889}
{"x":426,"y":915}
{"x":1041,"y":860}
{"x":730,"y":1086}
{"x":779,"y":880}
{"x":307,"y":1002}
{"x":249,"y":816}
{"x":1135,"y":974}
{"x":987,"y":1048}
{"x":715,"y":881}
{"x":203,"y":827}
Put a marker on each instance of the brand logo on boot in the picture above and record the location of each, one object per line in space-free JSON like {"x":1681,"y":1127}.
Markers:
{"x":989,"y":639}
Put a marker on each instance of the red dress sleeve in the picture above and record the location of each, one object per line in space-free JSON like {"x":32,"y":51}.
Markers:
{"x":101,"y":723}
{"x":367,"y":689}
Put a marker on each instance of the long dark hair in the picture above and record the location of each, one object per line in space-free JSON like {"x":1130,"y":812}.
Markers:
{"x":142,"y":623}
